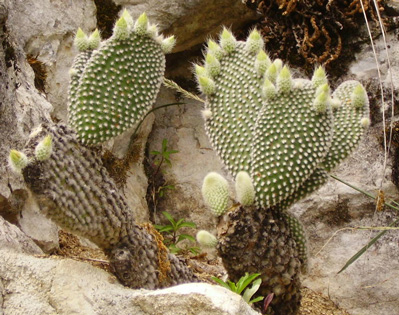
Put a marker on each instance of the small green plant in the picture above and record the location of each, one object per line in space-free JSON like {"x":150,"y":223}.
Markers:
{"x":164,"y":154}
{"x":158,"y":187}
{"x":241,"y":287}
{"x":173,"y":236}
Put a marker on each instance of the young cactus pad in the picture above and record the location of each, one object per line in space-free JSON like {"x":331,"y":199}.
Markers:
{"x":215,"y":191}
{"x":119,"y":83}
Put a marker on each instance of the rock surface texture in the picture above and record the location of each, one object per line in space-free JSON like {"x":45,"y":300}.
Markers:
{"x":44,"y":30}
{"x":48,"y":286}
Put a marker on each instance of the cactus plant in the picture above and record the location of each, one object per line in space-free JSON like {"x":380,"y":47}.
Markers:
{"x":287,"y":133}
{"x":113,"y":86}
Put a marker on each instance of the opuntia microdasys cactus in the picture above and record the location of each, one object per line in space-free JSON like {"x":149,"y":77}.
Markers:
{"x":113,"y":86}
{"x":286,"y":132}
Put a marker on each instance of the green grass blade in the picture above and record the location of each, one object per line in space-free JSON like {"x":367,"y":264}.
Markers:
{"x":247,"y":280}
{"x":185,"y":237}
{"x":188,"y":224}
{"x":221,"y":282}
{"x":365,"y":248}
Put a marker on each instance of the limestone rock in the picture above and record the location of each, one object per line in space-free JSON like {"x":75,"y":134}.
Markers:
{"x":193,"y":21}
{"x":13,"y":239}
{"x":48,"y":35}
{"x":62,"y":286}
{"x":183,"y":127}
{"x":35,"y":225}
{"x":330,"y":216}
{"x":22,"y":107}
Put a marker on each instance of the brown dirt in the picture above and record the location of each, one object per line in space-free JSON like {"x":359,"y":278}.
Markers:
{"x":71,"y":247}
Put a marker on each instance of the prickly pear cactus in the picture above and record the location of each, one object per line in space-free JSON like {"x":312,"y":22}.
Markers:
{"x":75,"y":191}
{"x":287,"y":133}
{"x":115,"y":85}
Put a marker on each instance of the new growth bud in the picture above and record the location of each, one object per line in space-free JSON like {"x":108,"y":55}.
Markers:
{"x":284,"y":81}
{"x":206,"y":239}
{"x":319,"y":77}
{"x":141,"y":25}
{"x":167,"y":44}
{"x":227,"y":41}
{"x":365,"y":122}
{"x":207,"y":85}
{"x":81,"y":40}
{"x":17,"y":161}
{"x":206,"y":114}
{"x":214,"y":49}
{"x":44,"y":148}
{"x":359,"y":97}
{"x":121,"y":30}
{"x":199,"y":71}
{"x":212,"y":65}
{"x":254,"y":42}
{"x":245,"y":189}
{"x":262,"y":62}
{"x":215,"y":191}
{"x":268,"y":90}
{"x":94,"y":40}
{"x":128,"y":18}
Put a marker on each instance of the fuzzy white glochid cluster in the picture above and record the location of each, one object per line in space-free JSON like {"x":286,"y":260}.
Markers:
{"x":17,"y":160}
{"x":284,"y":131}
{"x":115,"y":83}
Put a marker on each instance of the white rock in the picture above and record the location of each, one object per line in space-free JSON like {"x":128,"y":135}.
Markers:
{"x":193,"y":21}
{"x":13,"y":239}
{"x":35,"y":225}
{"x":62,"y":286}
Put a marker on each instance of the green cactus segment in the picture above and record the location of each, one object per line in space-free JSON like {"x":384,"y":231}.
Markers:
{"x":318,"y":178}
{"x":75,"y":73}
{"x":350,"y":120}
{"x":234,"y":104}
{"x":74,"y":190}
{"x":289,"y":142}
{"x":215,"y":192}
{"x":119,"y":84}
{"x":298,"y":234}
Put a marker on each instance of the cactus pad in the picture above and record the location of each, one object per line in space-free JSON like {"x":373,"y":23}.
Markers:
{"x":349,"y":117}
{"x":119,"y":83}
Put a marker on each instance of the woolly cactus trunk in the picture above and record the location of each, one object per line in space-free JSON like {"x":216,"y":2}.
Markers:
{"x":259,"y":241}
{"x":74,"y":190}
